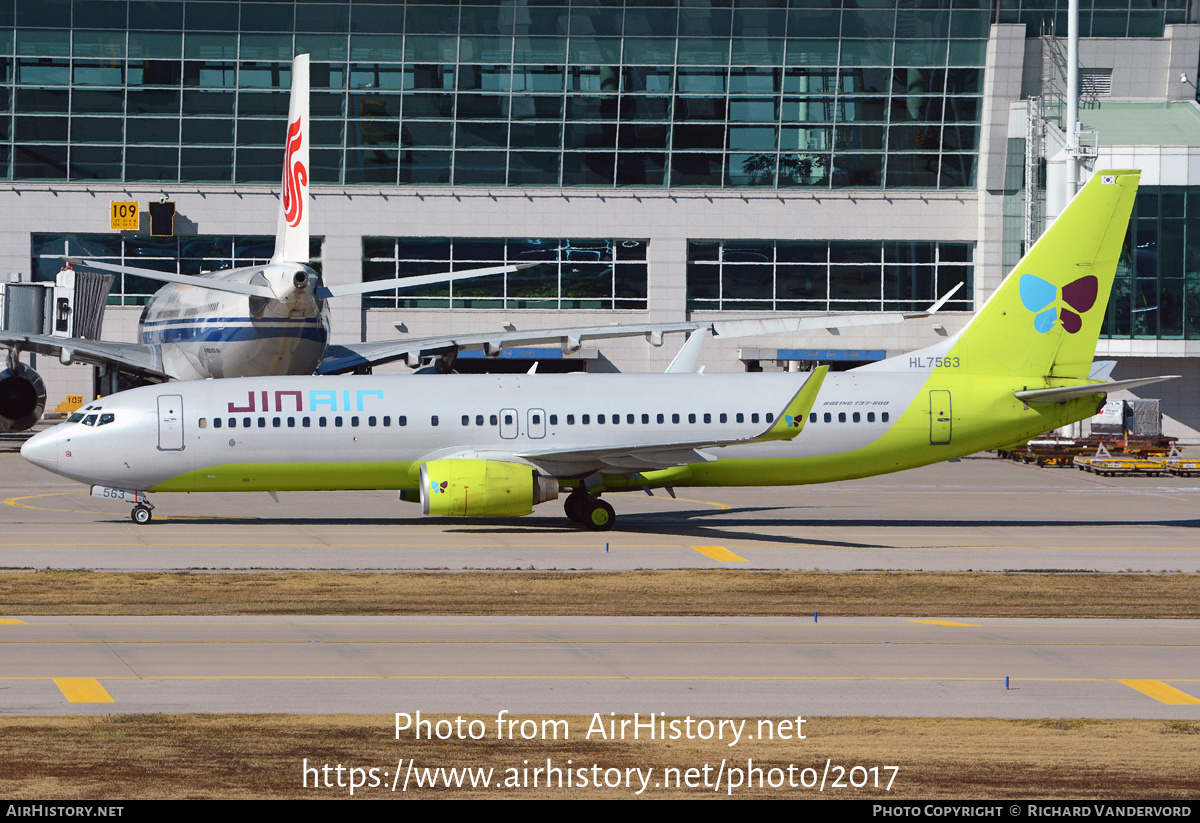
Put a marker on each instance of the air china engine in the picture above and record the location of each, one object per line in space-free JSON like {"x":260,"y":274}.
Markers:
{"x":464,"y":487}
{"x":22,"y":398}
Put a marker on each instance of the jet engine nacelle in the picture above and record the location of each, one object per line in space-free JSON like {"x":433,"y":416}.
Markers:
{"x":22,"y":398}
{"x":464,"y":487}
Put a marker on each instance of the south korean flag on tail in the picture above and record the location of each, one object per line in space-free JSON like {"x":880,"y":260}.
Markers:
{"x":1108,"y":179}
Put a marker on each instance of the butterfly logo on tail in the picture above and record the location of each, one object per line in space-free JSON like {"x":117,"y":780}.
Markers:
{"x":1042,"y":298}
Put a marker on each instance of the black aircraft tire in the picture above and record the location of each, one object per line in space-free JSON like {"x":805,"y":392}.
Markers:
{"x":575,"y":507}
{"x":140,"y":515}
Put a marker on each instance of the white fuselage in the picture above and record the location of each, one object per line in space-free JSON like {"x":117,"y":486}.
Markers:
{"x":206,"y":333}
{"x":158,"y":434}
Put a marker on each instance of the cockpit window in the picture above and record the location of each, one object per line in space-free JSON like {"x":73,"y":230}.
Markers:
{"x":75,"y":418}
{"x":90,"y":420}
{"x":106,"y":418}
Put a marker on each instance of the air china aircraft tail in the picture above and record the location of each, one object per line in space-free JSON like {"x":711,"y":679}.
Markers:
{"x":291,"y":235}
{"x":498,"y":445}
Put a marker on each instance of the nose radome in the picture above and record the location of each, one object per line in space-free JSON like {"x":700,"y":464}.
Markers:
{"x":42,"y":450}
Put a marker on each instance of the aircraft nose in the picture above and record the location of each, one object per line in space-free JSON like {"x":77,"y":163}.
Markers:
{"x":42,"y":450}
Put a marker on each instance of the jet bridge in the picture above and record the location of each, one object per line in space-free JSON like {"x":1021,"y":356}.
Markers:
{"x":70,"y":306}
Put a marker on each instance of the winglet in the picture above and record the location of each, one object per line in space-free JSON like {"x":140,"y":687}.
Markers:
{"x":291,"y":235}
{"x":936,"y":307}
{"x":790,"y":421}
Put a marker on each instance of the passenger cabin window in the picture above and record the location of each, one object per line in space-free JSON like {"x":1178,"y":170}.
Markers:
{"x":600,"y":419}
{"x":586,"y":419}
{"x":812,"y":417}
{"x":262,"y":422}
{"x":466,"y":419}
{"x":337,"y":422}
{"x":828,"y":417}
{"x":883,"y":417}
{"x":629,"y":419}
{"x":674,"y":418}
{"x":841,"y":417}
{"x":203,"y":422}
{"x":754,"y":417}
{"x":291,"y":422}
{"x":707,"y":417}
{"x":371,"y":421}
{"x":857,"y":417}
{"x":494,"y":420}
{"x":554,"y":420}
{"x":433,"y":421}
{"x":870,"y":417}
{"x":724,"y":417}
{"x":275,"y":421}
{"x":353,"y":421}
{"x":770,"y":417}
{"x":306,"y":422}
{"x":479,"y":420}
{"x":570,"y":420}
{"x":246,"y":422}
{"x":402,"y":420}
{"x":322,"y":422}
{"x":691,"y":418}
{"x":216,"y":422}
{"x":537,"y":420}
{"x":741,"y":418}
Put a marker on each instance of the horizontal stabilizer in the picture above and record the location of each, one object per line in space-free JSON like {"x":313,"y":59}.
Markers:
{"x":421,"y":280}
{"x":1064,"y":393}
{"x":199,"y":281}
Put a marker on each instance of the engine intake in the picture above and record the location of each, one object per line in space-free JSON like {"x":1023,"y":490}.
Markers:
{"x":463,"y":487}
{"x":22,"y":398}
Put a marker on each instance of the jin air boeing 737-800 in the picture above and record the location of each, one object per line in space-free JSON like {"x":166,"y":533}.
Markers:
{"x":497,"y":445}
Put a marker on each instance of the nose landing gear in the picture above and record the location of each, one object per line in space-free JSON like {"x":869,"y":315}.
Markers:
{"x":141,"y":513}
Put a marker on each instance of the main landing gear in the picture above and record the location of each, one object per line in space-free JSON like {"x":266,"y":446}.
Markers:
{"x":589,"y":511}
{"x":141,"y":513}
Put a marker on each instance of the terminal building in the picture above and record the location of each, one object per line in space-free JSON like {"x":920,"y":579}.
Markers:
{"x":664,"y":161}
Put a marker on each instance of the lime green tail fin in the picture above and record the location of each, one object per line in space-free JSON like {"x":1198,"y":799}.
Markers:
{"x":1044,"y":320}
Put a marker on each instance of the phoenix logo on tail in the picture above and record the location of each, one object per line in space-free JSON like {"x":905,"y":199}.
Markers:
{"x":295,"y":177}
{"x":1038,"y":294}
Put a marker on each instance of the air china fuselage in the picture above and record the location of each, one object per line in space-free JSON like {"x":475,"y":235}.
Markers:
{"x":205,"y":333}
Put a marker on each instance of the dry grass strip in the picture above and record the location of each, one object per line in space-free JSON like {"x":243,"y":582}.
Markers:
{"x":262,"y":756}
{"x":647,"y":593}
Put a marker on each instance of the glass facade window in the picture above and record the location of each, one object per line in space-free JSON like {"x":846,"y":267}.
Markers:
{"x":819,"y":275}
{"x":1157,"y":291}
{"x":192,"y":254}
{"x":1097,"y":18}
{"x":615,"y":95}
{"x":569,"y":274}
